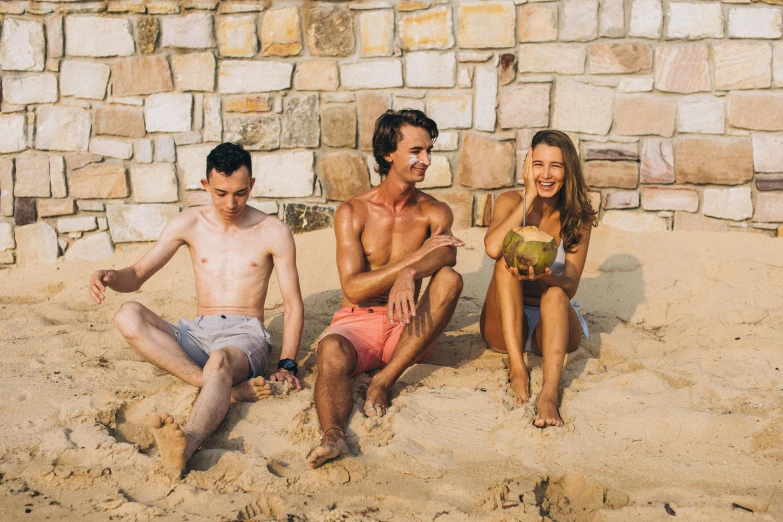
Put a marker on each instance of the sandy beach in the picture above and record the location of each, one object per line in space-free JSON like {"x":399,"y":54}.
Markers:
{"x":673,"y":406}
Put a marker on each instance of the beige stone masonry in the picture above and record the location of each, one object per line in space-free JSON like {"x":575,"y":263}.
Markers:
{"x":237,"y":36}
{"x":701,"y":114}
{"x":377,"y":33}
{"x":694,"y":20}
{"x":371,"y":74}
{"x":609,"y":151}
{"x":728,"y":203}
{"x":191,"y":31}
{"x":552,"y":58}
{"x":633,"y":222}
{"x":6,"y":236}
{"x":22,"y":45}
{"x":32,"y":176}
{"x":139,"y":76}
{"x":461,"y":204}
{"x":719,"y":161}
{"x":83,"y":79}
{"x":756,"y":110}
{"x":486,"y":163}
{"x":769,"y":207}
{"x":98,"y":36}
{"x":537,"y":22}
{"x":579,"y":107}
{"x":155,"y":183}
{"x":57,"y":177}
{"x":451,"y":109}
{"x":63,"y":128}
{"x":490,"y":23}
{"x":611,"y":18}
{"x":657,"y":198}
{"x":370,"y":105}
{"x":646,"y":19}
{"x":579,"y":21}
{"x":54,"y":36}
{"x":755,"y":22}
{"x":13,"y":133}
{"x":618,"y":174}
{"x":252,"y":131}
{"x":261,"y":103}
{"x":524,"y":105}
{"x":343,"y":176}
{"x":55,"y":207}
{"x":168,"y":112}
{"x":30,"y":88}
{"x":688,"y":221}
{"x":622,"y":199}
{"x":338,"y":126}
{"x":742,"y":65}
{"x":98,"y":181}
{"x":117,"y":120}
{"x":36,"y":244}
{"x":240,"y":76}
{"x":427,"y":29}
{"x":95,"y":247}
{"x":191,"y":164}
{"x":430,"y":69}
{"x":194,"y":71}
{"x":76,"y":224}
{"x":129,"y":223}
{"x":767,"y":152}
{"x":619,"y":58}
{"x":111,"y":147}
{"x":682,"y":68}
{"x":644,"y":114}
{"x":316,"y":75}
{"x":486,"y":98}
{"x":281,"y":33}
{"x":438,"y":173}
{"x":330,"y":30}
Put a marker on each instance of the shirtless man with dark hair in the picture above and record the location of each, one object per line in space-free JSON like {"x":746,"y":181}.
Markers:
{"x":388,"y":240}
{"x":225,"y":350}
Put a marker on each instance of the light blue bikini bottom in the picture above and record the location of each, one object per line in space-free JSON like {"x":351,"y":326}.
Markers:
{"x":533,"y":315}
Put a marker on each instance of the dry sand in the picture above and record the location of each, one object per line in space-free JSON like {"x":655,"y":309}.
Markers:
{"x":673,"y":405}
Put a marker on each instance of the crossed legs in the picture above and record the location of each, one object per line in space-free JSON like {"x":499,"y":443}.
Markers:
{"x":337,"y":361}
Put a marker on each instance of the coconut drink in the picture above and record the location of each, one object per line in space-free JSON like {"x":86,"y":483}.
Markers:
{"x":524,"y":247}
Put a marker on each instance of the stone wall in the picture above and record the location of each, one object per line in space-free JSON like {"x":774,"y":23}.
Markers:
{"x":109,"y":108}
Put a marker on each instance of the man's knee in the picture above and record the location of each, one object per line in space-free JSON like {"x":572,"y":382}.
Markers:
{"x":129,"y":318}
{"x":334,"y":356}
{"x":554,"y":296}
{"x":219,"y":361}
{"x":449,"y":280}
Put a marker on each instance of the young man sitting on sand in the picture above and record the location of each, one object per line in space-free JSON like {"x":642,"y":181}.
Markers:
{"x":388,"y":240}
{"x":225,"y":350}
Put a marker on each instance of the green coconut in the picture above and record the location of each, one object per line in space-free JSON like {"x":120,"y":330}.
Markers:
{"x":524,"y":247}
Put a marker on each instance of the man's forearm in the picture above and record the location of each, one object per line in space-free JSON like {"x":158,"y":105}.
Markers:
{"x":293,"y":321}
{"x":127,"y":281}
{"x":434,"y":261}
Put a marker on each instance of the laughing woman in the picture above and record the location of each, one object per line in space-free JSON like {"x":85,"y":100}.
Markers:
{"x":534,"y":312}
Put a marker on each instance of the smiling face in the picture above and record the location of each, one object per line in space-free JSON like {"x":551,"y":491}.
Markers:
{"x":229,"y":193}
{"x":413,"y":156}
{"x":548,"y":170}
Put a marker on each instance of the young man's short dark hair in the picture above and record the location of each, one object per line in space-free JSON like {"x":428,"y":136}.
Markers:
{"x":388,"y":134}
{"x":227,"y":158}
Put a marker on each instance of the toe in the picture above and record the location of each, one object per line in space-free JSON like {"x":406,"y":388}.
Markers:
{"x":156,"y":421}
{"x":369,"y":409}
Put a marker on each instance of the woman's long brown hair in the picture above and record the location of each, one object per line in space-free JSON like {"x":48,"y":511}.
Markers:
{"x":573,"y":200}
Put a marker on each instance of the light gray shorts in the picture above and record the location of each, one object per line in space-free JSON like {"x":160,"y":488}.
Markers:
{"x":208,"y":333}
{"x":533,"y":315}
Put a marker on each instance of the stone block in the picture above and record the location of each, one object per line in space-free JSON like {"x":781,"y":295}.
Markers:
{"x":370,"y":105}
{"x":24,"y":211}
{"x":22,"y":45}
{"x":719,"y":161}
{"x":742,"y":65}
{"x":253,"y":132}
{"x":461,"y":204}
{"x":580,"y":107}
{"x":80,"y":159}
{"x":76,"y":224}
{"x":611,"y":19}
{"x":280,"y":32}
{"x":755,"y":22}
{"x":767,"y":182}
{"x":777,"y":63}
{"x":633,"y":221}
{"x":338,"y":126}
{"x":32,"y":176}
{"x":111,"y":147}
{"x":237,"y":36}
{"x":465,"y":76}
{"x":769,"y":207}
{"x":148,"y":32}
{"x":552,"y":58}
{"x":36,"y":244}
{"x":486,"y":98}
{"x":240,"y":76}
{"x":430,"y":69}
{"x":618,"y":174}
{"x":87,"y":205}
{"x":701,"y":114}
{"x":213,"y":119}
{"x":63,"y":128}
{"x":619,"y":58}
{"x":644,"y":114}
{"x":646,"y":19}
{"x":118,"y":120}
{"x":302,"y":217}
{"x":635,"y":85}
{"x":6,"y":236}
{"x":6,"y":187}
{"x":537,"y":23}
{"x":609,"y":151}
{"x":57,"y":176}
{"x":623,"y":199}
{"x":377,"y":33}
{"x":29,"y":89}
{"x":579,"y":22}
{"x":98,"y":36}
{"x":687,"y":221}
{"x":139,"y":76}
{"x":682,"y":68}
{"x":168,"y":112}
{"x":756,"y":110}
{"x":657,"y":162}
{"x":484,"y":206}
{"x":194,"y":71}
{"x":301,"y":127}
{"x":659,"y":198}
{"x":486,"y":163}
{"x":767,"y":152}
{"x":7,"y":258}
{"x":448,"y":140}
{"x":727,"y":203}
{"x":83,"y":79}
{"x":438,"y":173}
{"x":316,"y":75}
{"x":525,"y":105}
{"x":129,"y":223}
{"x":296,"y":183}
{"x":99,"y":181}
{"x":450,"y":110}
{"x":372,"y":74}
{"x":487,"y":24}
{"x":56,"y":207}
{"x":54,"y":36}
{"x":192,"y":31}
{"x":154,"y":183}
{"x":427,"y":29}
{"x":192,"y":164}
{"x":13,"y":133}
{"x":329,"y":30}
{"x":692,"y":20}
{"x":261,"y":103}
{"x":343,"y":176}
{"x":95,"y":247}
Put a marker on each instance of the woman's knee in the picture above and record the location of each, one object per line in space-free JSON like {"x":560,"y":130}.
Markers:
{"x":129,"y":318}
{"x":554,"y":296}
{"x":334,"y":356}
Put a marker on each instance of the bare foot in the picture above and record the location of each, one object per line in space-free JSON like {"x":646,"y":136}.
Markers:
{"x":332,"y":446}
{"x":520,"y":383}
{"x":377,"y":400}
{"x":547,"y":414}
{"x":251,"y":390}
{"x":172,"y":443}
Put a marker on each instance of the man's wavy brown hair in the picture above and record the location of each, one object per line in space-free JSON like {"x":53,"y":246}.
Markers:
{"x":573,"y":200}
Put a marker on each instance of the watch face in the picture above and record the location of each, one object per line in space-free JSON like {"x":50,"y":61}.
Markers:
{"x":288,"y":364}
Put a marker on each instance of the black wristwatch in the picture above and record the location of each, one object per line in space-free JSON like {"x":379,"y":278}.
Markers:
{"x":288,"y":364}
